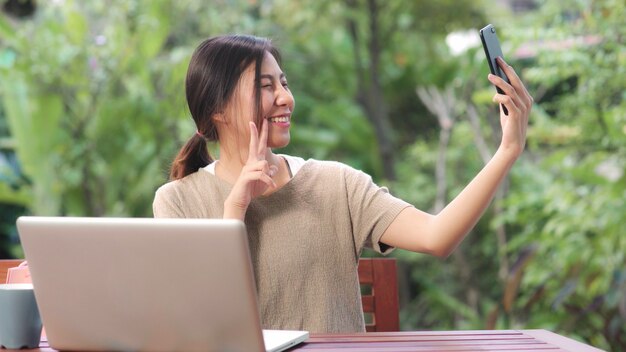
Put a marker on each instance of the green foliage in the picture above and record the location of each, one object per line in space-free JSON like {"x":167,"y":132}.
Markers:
{"x":88,"y":93}
{"x":578,"y":167}
{"x":565,"y":201}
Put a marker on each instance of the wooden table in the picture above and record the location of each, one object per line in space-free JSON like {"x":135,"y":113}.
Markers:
{"x":465,"y":340}
{"x":480,"y":340}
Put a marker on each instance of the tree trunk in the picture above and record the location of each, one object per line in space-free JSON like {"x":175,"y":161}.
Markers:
{"x":369,"y":93}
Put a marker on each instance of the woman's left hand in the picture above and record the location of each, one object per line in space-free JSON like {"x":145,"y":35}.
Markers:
{"x":518,"y":102}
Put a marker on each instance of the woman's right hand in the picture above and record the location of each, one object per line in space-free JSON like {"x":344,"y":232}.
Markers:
{"x":255,"y":177}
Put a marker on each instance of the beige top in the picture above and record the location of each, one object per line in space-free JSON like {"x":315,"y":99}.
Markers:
{"x":305,"y":240}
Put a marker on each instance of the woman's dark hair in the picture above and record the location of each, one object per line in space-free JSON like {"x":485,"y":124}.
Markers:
{"x":212,"y":77}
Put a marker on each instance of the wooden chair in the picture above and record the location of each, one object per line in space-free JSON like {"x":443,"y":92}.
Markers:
{"x":379,"y":275}
{"x":5,"y":264}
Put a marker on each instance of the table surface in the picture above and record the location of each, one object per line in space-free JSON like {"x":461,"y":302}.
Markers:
{"x":463,"y":340}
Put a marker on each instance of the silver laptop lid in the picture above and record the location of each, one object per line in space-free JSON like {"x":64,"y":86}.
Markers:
{"x":143,"y":284}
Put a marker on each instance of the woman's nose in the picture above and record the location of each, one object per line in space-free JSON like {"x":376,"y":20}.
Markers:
{"x":284,"y":97}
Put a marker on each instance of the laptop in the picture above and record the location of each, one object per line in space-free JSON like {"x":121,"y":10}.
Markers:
{"x":120,"y":284}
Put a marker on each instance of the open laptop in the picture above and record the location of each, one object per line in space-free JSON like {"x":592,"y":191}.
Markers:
{"x":119,"y":284}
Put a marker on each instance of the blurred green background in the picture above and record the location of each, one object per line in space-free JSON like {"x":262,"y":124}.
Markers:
{"x":92,"y":111}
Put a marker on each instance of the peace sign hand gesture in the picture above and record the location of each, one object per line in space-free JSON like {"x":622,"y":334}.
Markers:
{"x":255,"y":177}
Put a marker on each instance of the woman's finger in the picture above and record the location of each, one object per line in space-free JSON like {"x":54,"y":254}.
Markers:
{"x":254,"y":142}
{"x":267,"y":180}
{"x":522,"y":102}
{"x":260,"y":166}
{"x":505,"y":87}
{"x":262,"y":147}
{"x":273,"y":170}
{"x":516,"y":82}
{"x":507,"y":101}
{"x":260,"y":176}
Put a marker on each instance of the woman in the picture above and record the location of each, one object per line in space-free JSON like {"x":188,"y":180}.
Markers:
{"x":307,"y":221}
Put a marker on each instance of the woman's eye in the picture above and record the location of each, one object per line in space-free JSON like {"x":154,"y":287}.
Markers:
{"x":285,"y":84}
{"x":266,"y":86}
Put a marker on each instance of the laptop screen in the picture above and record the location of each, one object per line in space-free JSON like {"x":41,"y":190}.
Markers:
{"x":143,"y":284}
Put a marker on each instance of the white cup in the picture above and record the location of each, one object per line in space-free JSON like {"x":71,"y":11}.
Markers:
{"x":20,"y":323}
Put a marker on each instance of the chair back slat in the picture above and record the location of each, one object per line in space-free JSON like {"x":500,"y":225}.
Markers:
{"x":382,"y":301}
{"x":366,"y":275}
{"x":368,"y":304}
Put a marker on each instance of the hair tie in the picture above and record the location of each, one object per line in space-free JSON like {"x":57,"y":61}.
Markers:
{"x":199,"y":134}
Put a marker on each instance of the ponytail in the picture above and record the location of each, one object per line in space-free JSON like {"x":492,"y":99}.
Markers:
{"x":191,"y":157}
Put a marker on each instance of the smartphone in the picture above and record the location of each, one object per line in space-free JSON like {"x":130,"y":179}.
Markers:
{"x":491,"y":44}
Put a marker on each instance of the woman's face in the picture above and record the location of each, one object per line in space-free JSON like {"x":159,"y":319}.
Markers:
{"x":276,"y":101}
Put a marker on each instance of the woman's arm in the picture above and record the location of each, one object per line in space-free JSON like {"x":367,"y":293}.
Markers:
{"x":439,"y":234}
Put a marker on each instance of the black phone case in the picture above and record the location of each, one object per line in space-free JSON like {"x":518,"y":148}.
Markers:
{"x":491,"y":44}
